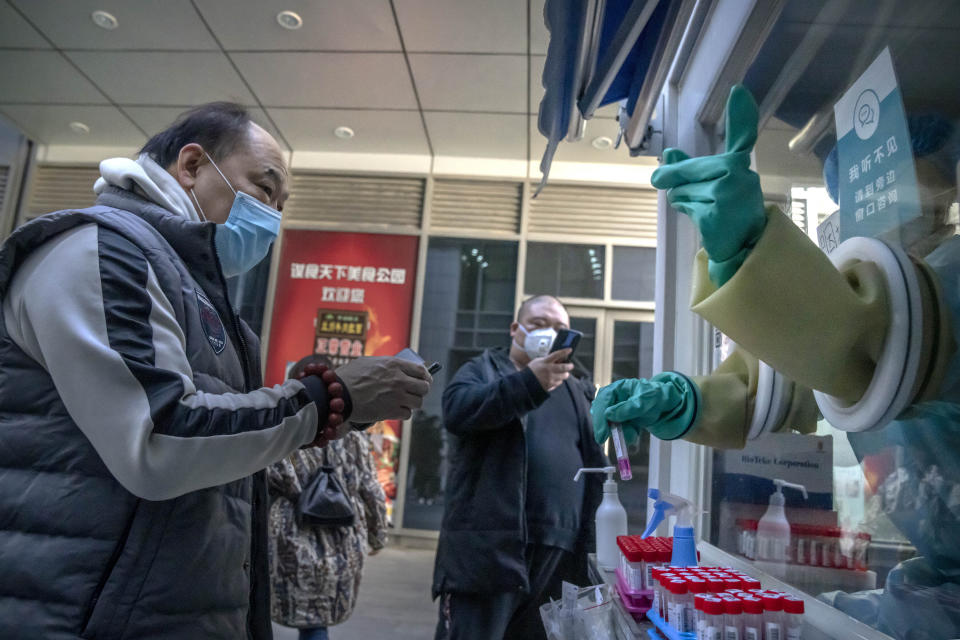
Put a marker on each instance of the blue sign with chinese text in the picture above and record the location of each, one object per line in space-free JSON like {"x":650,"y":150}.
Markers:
{"x":878,"y":183}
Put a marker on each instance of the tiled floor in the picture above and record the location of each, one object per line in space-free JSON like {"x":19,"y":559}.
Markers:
{"x":394,"y":600}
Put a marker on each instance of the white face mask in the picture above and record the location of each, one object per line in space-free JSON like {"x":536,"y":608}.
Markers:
{"x":537,"y":343}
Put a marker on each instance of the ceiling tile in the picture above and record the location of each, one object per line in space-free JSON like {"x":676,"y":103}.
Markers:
{"x":43,"y":76}
{"x":536,"y":91}
{"x":17,"y":32}
{"x":156,"y":119}
{"x":463,"y":82}
{"x":375,"y":131}
{"x":475,"y":26}
{"x":478,"y":135}
{"x":357,"y":25}
{"x":163,"y":78}
{"x":50,"y":124}
{"x":171,"y":24}
{"x":583,"y":150}
{"x":358,"y":80}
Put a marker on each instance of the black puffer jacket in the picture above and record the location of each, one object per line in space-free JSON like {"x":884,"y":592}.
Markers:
{"x":483,"y":537}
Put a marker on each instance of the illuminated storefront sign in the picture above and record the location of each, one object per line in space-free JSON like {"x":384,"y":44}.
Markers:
{"x":344,"y":295}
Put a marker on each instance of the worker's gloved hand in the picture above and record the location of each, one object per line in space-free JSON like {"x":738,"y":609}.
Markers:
{"x":666,"y":406}
{"x":720,"y":193}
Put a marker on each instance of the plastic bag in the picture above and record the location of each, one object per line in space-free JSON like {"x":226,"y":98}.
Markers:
{"x":582,"y":614}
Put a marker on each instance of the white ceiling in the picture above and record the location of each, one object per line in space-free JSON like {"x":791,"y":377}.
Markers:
{"x":451,"y":77}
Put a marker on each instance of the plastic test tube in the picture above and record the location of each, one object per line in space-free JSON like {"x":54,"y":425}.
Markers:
{"x":620,"y":446}
{"x":664,"y":594}
{"x":632,"y":558}
{"x":654,"y":561}
{"x":655,"y":585}
{"x":730,"y":582}
{"x":716,"y":584}
{"x":667,"y":600}
{"x":700,"y":616}
{"x":681,"y":611}
{"x":752,"y":619}
{"x":713,"y":629}
{"x":732,"y":619}
{"x":697,"y":585}
{"x":772,"y":617}
{"x":792,"y":618}
{"x":750,"y":583}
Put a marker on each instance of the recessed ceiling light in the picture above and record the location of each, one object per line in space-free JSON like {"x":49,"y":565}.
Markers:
{"x":78,"y":127}
{"x":104,"y":20}
{"x":344,"y":133}
{"x":289,"y":20}
{"x":603,"y":142}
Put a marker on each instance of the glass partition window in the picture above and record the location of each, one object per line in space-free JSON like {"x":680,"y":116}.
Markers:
{"x":879,"y":498}
{"x":468,"y":305}
{"x":565,"y":270}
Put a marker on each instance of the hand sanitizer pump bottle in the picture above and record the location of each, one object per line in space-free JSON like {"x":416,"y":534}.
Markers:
{"x":773,"y":530}
{"x":611,"y":519}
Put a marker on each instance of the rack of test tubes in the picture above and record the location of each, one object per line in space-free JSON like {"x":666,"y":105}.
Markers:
{"x":713,"y":603}
{"x":811,"y":545}
{"x":638,"y":558}
{"x":700,"y":603}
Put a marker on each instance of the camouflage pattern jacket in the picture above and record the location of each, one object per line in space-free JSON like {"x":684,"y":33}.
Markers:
{"x":315,"y":572}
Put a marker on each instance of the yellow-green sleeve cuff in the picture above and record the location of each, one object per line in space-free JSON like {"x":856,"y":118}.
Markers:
{"x":791,"y":308}
{"x":727,"y":399}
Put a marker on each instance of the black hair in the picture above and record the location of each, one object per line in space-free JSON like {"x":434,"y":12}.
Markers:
{"x":218,"y":127}
{"x":537,"y":298}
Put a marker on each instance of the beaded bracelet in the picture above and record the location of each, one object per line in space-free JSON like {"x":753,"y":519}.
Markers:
{"x":334,"y":392}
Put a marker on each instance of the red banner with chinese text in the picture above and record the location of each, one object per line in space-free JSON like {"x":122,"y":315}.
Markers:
{"x":326,"y":282}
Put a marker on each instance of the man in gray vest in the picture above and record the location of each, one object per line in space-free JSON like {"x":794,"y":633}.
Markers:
{"x":134,"y":426}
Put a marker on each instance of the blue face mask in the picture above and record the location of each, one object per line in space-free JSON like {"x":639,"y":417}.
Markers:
{"x":245,"y":238}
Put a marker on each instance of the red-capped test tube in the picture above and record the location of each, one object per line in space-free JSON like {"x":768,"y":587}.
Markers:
{"x":772,"y":617}
{"x":792,"y":618}
{"x":732,"y":619}
{"x":752,"y":619}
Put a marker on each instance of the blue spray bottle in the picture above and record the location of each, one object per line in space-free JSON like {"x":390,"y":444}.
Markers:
{"x":684,"y":544}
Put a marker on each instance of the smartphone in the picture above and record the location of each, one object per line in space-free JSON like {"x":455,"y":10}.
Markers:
{"x":413,"y":356}
{"x":566,"y":339}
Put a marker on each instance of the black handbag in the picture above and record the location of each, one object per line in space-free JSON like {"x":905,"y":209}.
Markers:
{"x":323,"y":502}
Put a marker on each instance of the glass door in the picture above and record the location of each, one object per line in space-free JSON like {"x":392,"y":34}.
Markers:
{"x":629,"y":345}
{"x":587,"y":359}
{"x":616,"y":345}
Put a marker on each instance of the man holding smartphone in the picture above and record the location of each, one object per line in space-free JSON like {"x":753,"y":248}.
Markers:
{"x":515,"y":524}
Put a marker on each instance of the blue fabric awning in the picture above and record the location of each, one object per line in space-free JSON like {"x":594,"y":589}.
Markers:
{"x":565,"y":80}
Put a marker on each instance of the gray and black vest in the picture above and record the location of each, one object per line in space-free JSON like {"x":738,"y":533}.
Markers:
{"x":80,"y":556}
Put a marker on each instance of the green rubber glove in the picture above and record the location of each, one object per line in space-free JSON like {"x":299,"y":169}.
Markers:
{"x":720,"y":193}
{"x":667,"y":406}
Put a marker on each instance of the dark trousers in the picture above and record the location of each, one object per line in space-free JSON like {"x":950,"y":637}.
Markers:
{"x":510,"y":616}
